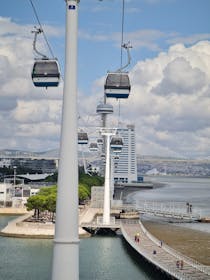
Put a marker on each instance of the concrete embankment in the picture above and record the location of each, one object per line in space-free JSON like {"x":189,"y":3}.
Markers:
{"x":19,"y":227}
{"x":12,"y":211}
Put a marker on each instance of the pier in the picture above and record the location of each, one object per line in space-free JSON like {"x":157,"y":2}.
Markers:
{"x":171,"y":210}
{"x":159,"y":254}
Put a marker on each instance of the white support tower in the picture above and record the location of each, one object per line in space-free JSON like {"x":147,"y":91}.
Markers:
{"x":107,"y":203}
{"x":66,"y":242}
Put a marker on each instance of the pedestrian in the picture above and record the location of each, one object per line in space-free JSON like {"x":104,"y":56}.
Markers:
{"x":181,"y":264}
{"x":177,"y":264}
{"x":190,"y":208}
{"x":161,"y":243}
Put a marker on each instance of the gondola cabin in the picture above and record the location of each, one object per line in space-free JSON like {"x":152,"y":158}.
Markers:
{"x":103,"y":158}
{"x":117,"y":85}
{"x":104,"y":108}
{"x":93,"y":147}
{"x":82,"y":138}
{"x":45,"y":73}
{"x":116,"y":144}
{"x":100,"y":141}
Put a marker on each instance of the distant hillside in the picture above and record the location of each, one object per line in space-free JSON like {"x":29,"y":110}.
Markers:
{"x":17,"y":153}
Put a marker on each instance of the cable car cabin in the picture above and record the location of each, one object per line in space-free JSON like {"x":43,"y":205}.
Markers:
{"x":100,"y":141}
{"x":104,"y":108}
{"x":93,"y":147}
{"x":82,"y":138}
{"x":45,"y":73}
{"x":116,"y":144}
{"x":117,"y":85}
{"x":103,"y":156}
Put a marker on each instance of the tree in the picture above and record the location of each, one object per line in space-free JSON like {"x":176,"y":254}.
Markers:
{"x":36,"y":203}
{"x":51,"y":204}
{"x":84,"y":192}
{"x":44,"y":200}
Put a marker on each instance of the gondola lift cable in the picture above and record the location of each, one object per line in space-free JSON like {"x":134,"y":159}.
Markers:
{"x":117,"y":84}
{"x":41,"y":28}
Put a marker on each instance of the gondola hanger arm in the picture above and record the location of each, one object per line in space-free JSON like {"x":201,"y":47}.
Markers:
{"x":126,"y":46}
{"x":36,"y":32}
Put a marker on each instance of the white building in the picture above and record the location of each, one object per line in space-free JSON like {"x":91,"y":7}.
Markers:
{"x":125,"y":168}
{"x":15,"y":195}
{"x":5,"y":194}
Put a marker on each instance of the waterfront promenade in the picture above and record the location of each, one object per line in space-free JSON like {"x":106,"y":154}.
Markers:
{"x":161,"y":255}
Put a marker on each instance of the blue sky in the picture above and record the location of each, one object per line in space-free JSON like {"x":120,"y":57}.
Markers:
{"x":168,"y":37}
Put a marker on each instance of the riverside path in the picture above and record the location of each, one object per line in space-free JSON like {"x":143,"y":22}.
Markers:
{"x":161,"y":255}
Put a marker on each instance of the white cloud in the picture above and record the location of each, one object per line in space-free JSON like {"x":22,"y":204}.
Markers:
{"x":169,"y":101}
{"x":192,"y":39}
{"x":27,"y":114}
{"x":187,"y":81}
{"x":35,"y":112}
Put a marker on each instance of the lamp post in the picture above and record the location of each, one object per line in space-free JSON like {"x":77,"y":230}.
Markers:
{"x":15,"y":173}
{"x":66,"y":241}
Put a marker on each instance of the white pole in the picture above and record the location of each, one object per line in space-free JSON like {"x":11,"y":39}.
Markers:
{"x":15,"y":170}
{"x":66,"y":242}
{"x":106,"y":213}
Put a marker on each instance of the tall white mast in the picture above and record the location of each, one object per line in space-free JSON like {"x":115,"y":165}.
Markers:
{"x":66,"y":241}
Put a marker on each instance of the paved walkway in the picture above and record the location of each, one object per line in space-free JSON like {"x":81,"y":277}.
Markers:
{"x":163,"y":256}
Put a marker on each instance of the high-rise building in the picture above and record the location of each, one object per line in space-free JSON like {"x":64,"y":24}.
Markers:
{"x":125,"y":168}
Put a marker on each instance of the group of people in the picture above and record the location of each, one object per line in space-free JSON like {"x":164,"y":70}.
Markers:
{"x":179,"y":264}
{"x":189,"y":207}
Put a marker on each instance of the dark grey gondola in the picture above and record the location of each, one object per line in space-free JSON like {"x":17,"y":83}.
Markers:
{"x":100,"y":141}
{"x":117,"y":85}
{"x":45,"y":73}
{"x":93,"y":147}
{"x":104,"y":108}
{"x":116,"y":144}
{"x":82,"y":138}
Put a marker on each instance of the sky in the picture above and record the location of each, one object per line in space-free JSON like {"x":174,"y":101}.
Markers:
{"x":169,"y":103}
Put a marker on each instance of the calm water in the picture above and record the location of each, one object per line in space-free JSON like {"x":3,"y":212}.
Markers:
{"x":176,"y":192}
{"x":101,"y":258}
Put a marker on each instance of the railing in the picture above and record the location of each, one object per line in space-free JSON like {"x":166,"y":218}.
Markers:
{"x":175,"y":253}
{"x":172,"y":209}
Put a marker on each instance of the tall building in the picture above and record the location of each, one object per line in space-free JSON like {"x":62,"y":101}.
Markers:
{"x":125,"y":168}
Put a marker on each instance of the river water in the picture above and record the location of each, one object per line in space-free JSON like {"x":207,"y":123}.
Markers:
{"x":174,"y":195}
{"x":101,"y":258}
